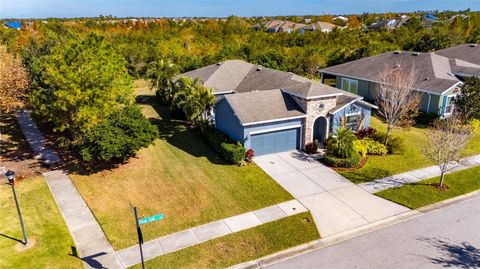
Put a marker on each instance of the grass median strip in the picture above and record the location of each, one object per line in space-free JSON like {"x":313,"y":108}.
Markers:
{"x":46,"y":230}
{"x":242,"y":246}
{"x":422,"y":193}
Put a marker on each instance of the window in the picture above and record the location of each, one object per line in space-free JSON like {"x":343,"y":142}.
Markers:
{"x":350,"y":85}
{"x":352,"y":122}
{"x":450,"y":105}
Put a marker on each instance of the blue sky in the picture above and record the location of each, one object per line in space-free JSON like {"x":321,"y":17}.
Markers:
{"x":173,"y":8}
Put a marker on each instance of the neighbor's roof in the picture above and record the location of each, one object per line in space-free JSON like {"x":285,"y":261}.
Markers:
{"x":14,"y":24}
{"x":265,"y":106}
{"x":239,"y":76}
{"x":321,"y":25}
{"x":464,"y":59}
{"x":434,"y":72}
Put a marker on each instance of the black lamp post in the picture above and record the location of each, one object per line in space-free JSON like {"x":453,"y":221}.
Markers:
{"x":11,"y":178}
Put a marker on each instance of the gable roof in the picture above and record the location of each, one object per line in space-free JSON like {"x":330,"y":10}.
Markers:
{"x":13,"y":24}
{"x":434,"y":72}
{"x":464,"y":59}
{"x":239,"y":76}
{"x":321,"y":25}
{"x":265,"y":106}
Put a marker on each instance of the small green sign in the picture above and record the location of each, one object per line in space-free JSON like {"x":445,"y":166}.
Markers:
{"x":150,"y":219}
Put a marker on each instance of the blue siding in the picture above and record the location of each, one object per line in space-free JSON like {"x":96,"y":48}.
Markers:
{"x":268,"y":126}
{"x":227,"y":122}
{"x":348,"y":110}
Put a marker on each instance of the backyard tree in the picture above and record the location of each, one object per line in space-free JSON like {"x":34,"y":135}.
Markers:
{"x":161,"y":75}
{"x":193,"y":99}
{"x":447,"y":138}
{"x":14,"y":81}
{"x":468,"y":102}
{"x":81,"y":83}
{"x":395,"y":95}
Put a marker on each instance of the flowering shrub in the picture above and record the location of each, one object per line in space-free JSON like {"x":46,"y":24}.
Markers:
{"x":249,"y":155}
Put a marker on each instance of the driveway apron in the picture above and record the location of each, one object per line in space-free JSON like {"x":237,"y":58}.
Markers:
{"x":336,"y":204}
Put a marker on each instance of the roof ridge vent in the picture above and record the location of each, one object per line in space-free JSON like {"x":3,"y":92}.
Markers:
{"x":397,"y":52}
{"x":259,"y":68}
{"x":473,"y":45}
{"x":219,"y":63}
{"x":416,"y":53}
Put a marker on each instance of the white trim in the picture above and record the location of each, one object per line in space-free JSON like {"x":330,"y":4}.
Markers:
{"x":296,"y":126}
{"x":347,"y":76}
{"x":274,"y":120}
{"x":445,"y":108}
{"x":218,"y":93}
{"x":311,"y":97}
{"x":456,"y":85}
{"x":429,"y":101}
{"x":350,"y":80}
{"x":327,"y":129}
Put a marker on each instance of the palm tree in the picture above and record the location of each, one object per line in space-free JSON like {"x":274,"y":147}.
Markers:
{"x":342,"y":145}
{"x":193,"y":99}
{"x":161,"y":75}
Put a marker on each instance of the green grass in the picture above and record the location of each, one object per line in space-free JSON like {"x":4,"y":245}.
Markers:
{"x":415,"y":139}
{"x":44,"y":225}
{"x":422,"y":193}
{"x":180,"y":176}
{"x":242,"y":246}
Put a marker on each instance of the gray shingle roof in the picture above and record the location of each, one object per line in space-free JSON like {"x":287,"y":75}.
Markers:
{"x":251,"y":107}
{"x":239,"y":76}
{"x":433,"y":70}
{"x":464,"y":59}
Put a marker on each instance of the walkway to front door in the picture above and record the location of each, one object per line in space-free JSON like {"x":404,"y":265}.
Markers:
{"x":336,"y":204}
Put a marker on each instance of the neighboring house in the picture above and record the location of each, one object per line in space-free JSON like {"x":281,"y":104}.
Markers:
{"x":274,"y":26}
{"x":388,"y":24}
{"x":272,"y":111}
{"x":324,"y":27}
{"x":438,"y":74}
{"x":342,"y":18}
{"x":462,"y":16}
{"x":428,"y":20}
{"x":13,"y":25}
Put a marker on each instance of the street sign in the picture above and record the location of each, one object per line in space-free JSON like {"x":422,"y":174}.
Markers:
{"x":150,"y":219}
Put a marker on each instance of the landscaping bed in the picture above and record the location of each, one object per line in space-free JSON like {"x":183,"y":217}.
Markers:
{"x":242,"y":246}
{"x":181,"y":176}
{"x":413,"y":158}
{"x":46,"y":230}
{"x":425,"y":193}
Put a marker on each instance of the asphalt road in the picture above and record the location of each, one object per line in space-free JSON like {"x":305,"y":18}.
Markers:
{"x":445,"y":238}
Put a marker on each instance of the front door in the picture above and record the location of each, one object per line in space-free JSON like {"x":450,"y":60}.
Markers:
{"x":320,"y":130}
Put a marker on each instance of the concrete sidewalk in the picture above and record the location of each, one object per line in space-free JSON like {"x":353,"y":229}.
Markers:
{"x":35,"y":139}
{"x":93,"y":246}
{"x":416,"y":175}
{"x":336,"y":204}
{"x":190,"y":237}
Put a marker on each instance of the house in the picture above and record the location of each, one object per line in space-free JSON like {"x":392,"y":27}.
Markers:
{"x":438,"y":74}
{"x":388,"y":24}
{"x":428,"y":20}
{"x":274,"y":26}
{"x":272,"y":111}
{"x":13,"y":25}
{"x":342,"y":18}
{"x":324,"y":27}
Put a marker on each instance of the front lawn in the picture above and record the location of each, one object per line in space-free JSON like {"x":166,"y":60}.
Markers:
{"x":413,"y":158}
{"x":422,"y":194}
{"x":242,"y":246}
{"x":180,"y":176}
{"x":44,"y":225}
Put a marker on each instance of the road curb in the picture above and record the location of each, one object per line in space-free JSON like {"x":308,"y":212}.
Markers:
{"x":331,"y":240}
{"x":327,"y":241}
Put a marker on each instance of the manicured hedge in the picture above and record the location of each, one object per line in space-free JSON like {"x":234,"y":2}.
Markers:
{"x":351,"y":162}
{"x":233,"y":152}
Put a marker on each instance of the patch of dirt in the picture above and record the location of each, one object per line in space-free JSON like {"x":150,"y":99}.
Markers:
{"x":437,"y":186}
{"x":19,"y":247}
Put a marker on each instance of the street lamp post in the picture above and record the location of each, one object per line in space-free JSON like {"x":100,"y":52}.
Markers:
{"x":11,"y":179}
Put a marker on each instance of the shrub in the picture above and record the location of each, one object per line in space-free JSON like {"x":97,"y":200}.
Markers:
{"x":426,"y":119}
{"x":361,"y":146}
{"x":233,"y":152}
{"x":311,"y":148}
{"x":366,"y":133}
{"x":249,"y":155}
{"x":351,"y":162}
{"x":395,"y":143}
{"x":119,"y":137}
{"x":342,"y":145}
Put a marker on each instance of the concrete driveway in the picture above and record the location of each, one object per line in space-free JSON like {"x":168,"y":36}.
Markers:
{"x":336,"y":204}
